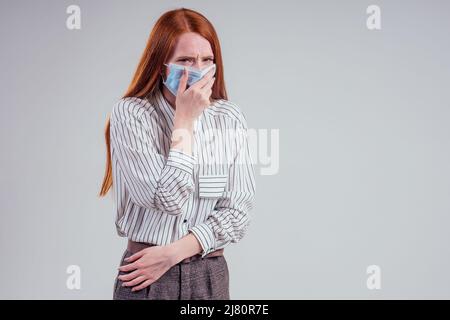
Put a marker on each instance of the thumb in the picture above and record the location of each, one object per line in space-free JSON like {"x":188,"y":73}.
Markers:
{"x":183,"y":81}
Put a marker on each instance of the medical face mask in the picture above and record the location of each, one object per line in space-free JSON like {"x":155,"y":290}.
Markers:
{"x":176,"y":71}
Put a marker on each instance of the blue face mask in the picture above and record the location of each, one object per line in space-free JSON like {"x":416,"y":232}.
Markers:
{"x":176,"y":71}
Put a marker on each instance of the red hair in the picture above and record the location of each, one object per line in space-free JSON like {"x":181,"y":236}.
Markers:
{"x":159,"y":49}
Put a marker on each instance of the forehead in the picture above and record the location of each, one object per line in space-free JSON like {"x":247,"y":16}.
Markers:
{"x":192,"y":44}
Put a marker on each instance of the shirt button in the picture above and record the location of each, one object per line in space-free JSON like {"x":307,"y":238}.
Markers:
{"x":185,"y":220}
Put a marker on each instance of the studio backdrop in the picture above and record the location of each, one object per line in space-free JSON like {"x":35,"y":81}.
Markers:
{"x":348,"y":111}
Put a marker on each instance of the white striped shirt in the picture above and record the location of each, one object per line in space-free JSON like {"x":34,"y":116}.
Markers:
{"x":161,"y":194}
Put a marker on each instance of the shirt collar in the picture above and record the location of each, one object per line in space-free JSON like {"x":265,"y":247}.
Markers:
{"x":165,"y":107}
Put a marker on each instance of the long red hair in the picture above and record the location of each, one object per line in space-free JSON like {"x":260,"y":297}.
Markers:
{"x":159,"y":49}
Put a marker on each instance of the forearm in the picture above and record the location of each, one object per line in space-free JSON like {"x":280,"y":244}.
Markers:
{"x":182,"y":135}
{"x":183,"y":248}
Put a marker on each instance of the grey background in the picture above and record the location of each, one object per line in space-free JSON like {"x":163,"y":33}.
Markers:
{"x":364,"y":144}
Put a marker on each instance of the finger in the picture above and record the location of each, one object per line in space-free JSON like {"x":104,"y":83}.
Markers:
{"x":129,"y":276}
{"x":200,"y":83}
{"x":135,"y":256}
{"x":128,"y":267}
{"x":208,"y":93}
{"x":133,"y":282}
{"x":183,"y":81}
{"x":142,"y":285}
{"x":209,"y":84}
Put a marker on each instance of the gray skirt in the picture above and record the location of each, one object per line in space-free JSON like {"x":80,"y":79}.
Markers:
{"x":200,"y":279}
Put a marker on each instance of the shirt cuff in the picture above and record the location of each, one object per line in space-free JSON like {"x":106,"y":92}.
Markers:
{"x":180,"y":160}
{"x":205,"y":236}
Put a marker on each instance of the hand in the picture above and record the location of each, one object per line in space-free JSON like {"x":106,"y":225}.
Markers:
{"x":146,"y":266}
{"x":191,"y":102}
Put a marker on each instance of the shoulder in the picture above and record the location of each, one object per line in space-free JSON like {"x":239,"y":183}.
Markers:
{"x":130,"y":107}
{"x":230,"y":110}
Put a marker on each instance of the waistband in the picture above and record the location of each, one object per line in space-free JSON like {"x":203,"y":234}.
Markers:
{"x":134,"y":247}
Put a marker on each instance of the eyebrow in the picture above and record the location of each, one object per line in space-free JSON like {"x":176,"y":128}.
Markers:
{"x":193,"y":57}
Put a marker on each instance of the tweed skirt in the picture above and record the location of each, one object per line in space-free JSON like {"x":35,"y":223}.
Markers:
{"x":200,"y":279}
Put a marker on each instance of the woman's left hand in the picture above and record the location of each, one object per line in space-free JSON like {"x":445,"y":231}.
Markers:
{"x":146,"y":266}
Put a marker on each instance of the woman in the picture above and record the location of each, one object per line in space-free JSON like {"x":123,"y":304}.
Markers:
{"x":180,"y":166}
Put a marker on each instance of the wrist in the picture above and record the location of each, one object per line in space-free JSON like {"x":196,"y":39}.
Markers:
{"x":183,"y":123}
{"x":182,"y":136}
{"x":174,"y":253}
{"x":183,"y":248}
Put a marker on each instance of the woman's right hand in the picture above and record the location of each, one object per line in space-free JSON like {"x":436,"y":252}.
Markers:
{"x":191,"y":102}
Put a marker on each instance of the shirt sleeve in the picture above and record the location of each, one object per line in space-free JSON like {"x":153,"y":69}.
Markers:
{"x":230,"y":218}
{"x":153,"y":181}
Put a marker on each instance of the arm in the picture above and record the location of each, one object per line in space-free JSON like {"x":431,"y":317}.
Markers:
{"x":185,"y":247}
{"x":152,"y":180}
{"x":229,"y":220}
